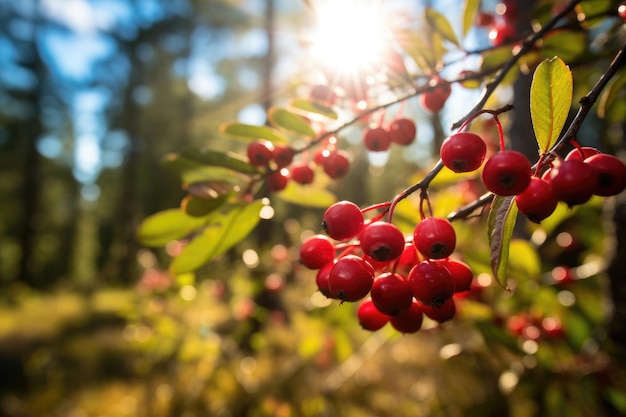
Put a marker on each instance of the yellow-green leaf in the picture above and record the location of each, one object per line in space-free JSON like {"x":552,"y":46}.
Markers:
{"x":224,"y":159}
{"x":550,"y":101}
{"x":314,"y":108}
{"x":610,"y":94}
{"x":223,"y":232}
{"x":191,"y":171}
{"x":290,"y":121}
{"x":568,"y":45}
{"x":251,"y":132}
{"x":469,"y":14}
{"x":307,"y":195}
{"x":200,"y":207}
{"x":166,"y":226}
{"x":501,"y":222}
{"x":441,"y":25}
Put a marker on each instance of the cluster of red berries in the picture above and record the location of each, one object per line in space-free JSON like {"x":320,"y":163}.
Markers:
{"x":278,"y":160}
{"x":528,"y":327}
{"x":501,"y":23}
{"x":400,"y":131}
{"x":405,"y":277}
{"x":584,"y":172}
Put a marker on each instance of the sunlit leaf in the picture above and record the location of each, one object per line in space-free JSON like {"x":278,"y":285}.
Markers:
{"x":501,"y":222}
{"x":593,"y":12}
{"x":307,"y":195}
{"x":550,"y":101}
{"x":610,"y":95}
{"x":166,"y":226}
{"x":290,"y":121}
{"x":416,"y":47}
{"x":223,"y":232}
{"x":469,"y":14}
{"x":567,"y":45}
{"x":191,"y":171}
{"x":495,"y":58}
{"x":524,"y":258}
{"x":208,"y":190}
{"x":252,"y":132}
{"x":313,"y":107}
{"x":441,"y":25}
{"x":200,"y":207}
{"x":224,"y":159}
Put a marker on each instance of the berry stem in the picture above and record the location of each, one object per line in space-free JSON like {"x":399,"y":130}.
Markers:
{"x":421,"y":185}
{"x":526,"y":47}
{"x":494,"y":113}
{"x":500,"y":132}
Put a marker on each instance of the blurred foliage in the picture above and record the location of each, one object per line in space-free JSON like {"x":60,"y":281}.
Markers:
{"x":248,"y":334}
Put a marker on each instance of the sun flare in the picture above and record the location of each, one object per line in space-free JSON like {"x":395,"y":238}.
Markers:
{"x":349,"y":36}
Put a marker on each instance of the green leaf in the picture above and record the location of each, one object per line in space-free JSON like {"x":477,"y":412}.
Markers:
{"x":441,"y":25}
{"x":568,"y":45}
{"x":290,"y":121}
{"x":501,"y":222}
{"x":495,"y":58}
{"x":587,"y":9}
{"x":469,"y":14}
{"x":223,"y":232}
{"x":609,"y":96}
{"x":313,"y":107}
{"x":307,"y":195}
{"x":526,"y":261}
{"x":224,"y":159}
{"x":252,"y":132}
{"x":166,"y":226}
{"x":550,"y":101}
{"x":191,"y":171}
{"x":200,"y":207}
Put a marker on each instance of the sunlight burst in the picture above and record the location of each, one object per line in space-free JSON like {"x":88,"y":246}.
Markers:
{"x":349,"y":36}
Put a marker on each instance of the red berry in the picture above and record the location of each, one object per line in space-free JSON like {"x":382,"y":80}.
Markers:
{"x":343,"y":220}
{"x":573,"y":181}
{"x":320,"y":155}
{"x":350,"y":278}
{"x":507,"y":9}
{"x":552,"y":327}
{"x":463,"y":152}
{"x":431,"y":283}
{"x":434,"y":100}
{"x":507,"y":173}
{"x":537,"y":201}
{"x":408,"y":259}
{"x":382,"y":241}
{"x":402,"y":131}
{"x":484,"y":19}
{"x":260,"y":152}
{"x":517,"y":324}
{"x":376,"y":139}
{"x":563,"y":275}
{"x":391,"y":293}
{"x":586,"y":151}
{"x":611,"y":174}
{"x":316,"y":252}
{"x":501,"y":33}
{"x":321,"y":279}
{"x":441,"y":314}
{"x":409,"y":320}
{"x":277,"y":180}
{"x":434,"y":237}
{"x":282,"y":155}
{"x":621,"y":10}
{"x":369,"y":317}
{"x":462,"y":274}
{"x":336,"y":164}
{"x":302,"y":173}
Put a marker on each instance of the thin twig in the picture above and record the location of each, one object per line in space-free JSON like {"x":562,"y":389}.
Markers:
{"x":526,"y":46}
